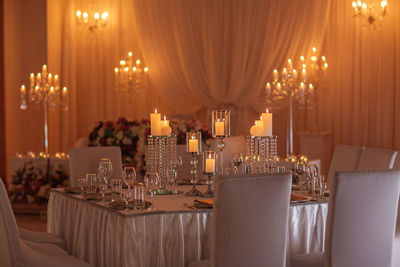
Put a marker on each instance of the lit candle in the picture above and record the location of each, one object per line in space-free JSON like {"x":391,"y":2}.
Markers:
{"x":116,"y":72}
{"x":137,"y":61}
{"x":96,"y":16}
{"x":294,"y":74}
{"x":32,"y":80}
{"x":122,"y":62}
{"x":165,"y":129}
{"x":49,"y":78}
{"x":284,"y":74}
{"x":85,"y":17}
{"x":155,"y":123}
{"x":290,"y":64}
{"x":275,"y":75}
{"x":64,"y":91}
{"x":38,"y":78}
{"x":23,"y":90}
{"x":304,"y":74}
{"x":104,"y":16}
{"x":310,"y":89}
{"x":266,"y":123}
{"x":193,"y":145}
{"x":219,"y":128}
{"x":51,"y":91}
{"x":268,"y":89}
{"x":79,"y":15}
{"x":210,"y":165}
{"x":146,"y":69}
{"x":302,"y":59}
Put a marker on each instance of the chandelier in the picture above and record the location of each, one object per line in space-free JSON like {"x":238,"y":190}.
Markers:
{"x":370,"y":11}
{"x":92,"y":21}
{"x":131,"y":76}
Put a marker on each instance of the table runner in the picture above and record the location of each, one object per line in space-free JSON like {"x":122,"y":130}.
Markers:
{"x":171,"y":236}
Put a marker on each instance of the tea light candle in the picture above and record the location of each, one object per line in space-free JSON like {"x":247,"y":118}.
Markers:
{"x":193,"y":145}
{"x":219,"y":128}
{"x":155,"y":123}
{"x":210,"y":165}
{"x":266,"y":123}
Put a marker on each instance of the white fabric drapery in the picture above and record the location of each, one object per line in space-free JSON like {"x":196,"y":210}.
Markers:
{"x":209,"y":53}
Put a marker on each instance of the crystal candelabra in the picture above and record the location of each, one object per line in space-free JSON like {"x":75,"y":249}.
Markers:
{"x":44,"y":89}
{"x":221,"y":128}
{"x":290,"y":85}
{"x":317,"y":68}
{"x":209,"y":158}
{"x":370,"y":11}
{"x":94,"y":21}
{"x":193,"y":145}
{"x":130,"y":76}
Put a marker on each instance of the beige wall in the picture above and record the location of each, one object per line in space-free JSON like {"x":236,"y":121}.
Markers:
{"x":24,"y":52}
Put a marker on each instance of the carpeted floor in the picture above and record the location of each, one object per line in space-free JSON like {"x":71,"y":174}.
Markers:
{"x":31,"y":222}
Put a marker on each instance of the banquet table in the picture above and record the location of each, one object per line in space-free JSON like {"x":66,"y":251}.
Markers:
{"x":170,"y":235}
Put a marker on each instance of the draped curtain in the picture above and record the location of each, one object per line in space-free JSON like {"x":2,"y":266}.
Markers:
{"x":206,"y":54}
{"x":361,"y":106}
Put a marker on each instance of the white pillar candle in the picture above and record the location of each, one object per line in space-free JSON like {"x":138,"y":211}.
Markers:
{"x":165,"y":129}
{"x":194,"y":145}
{"x":155,"y":123}
{"x":266,"y":123}
{"x":219,"y":128}
{"x":210,"y":165}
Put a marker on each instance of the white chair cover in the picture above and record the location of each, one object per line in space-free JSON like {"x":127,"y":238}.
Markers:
{"x":344,"y":158}
{"x":377,"y":158}
{"x":84,"y":160}
{"x":361,"y":220}
{"x":16,"y":252}
{"x":250,"y":220}
{"x":42,"y":237}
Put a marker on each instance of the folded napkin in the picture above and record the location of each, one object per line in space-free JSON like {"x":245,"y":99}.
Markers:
{"x":204,"y":203}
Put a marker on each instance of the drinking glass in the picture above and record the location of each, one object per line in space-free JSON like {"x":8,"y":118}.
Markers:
{"x":322,"y":186}
{"x":237,"y":160}
{"x":101,"y":183}
{"x":138,"y":196}
{"x":152,"y":183}
{"x":116,"y":188}
{"x":91,"y":181}
{"x":129,"y":176}
{"x":173,"y":166}
{"x":106,"y":169}
{"x":82,"y":185}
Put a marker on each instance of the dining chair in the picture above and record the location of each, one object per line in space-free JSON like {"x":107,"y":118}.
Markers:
{"x":377,"y":158}
{"x":250,"y":219}
{"x":84,"y":160}
{"x":361,"y":221}
{"x":17,"y":252}
{"x":344,"y":158}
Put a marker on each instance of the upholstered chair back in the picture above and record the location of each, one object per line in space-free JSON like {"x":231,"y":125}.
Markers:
{"x":361,"y":218}
{"x":250,"y":220}
{"x":9,"y":236}
{"x":377,"y":158}
{"x":84,"y":160}
{"x":344,"y":158}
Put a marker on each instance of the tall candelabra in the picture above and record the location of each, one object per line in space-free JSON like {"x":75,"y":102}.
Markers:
{"x":370,"y":11}
{"x":45,"y":89}
{"x":131,"y":76}
{"x":221,"y":128}
{"x":93,"y":22}
{"x":292,"y":86}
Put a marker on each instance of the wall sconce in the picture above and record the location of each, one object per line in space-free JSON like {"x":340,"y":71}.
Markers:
{"x":92,"y":21}
{"x":370,"y":10}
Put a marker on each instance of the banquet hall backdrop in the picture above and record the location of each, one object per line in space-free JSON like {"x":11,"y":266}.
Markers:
{"x":201,"y":55}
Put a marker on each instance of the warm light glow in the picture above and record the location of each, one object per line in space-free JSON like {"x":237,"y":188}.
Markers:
{"x":364,"y":6}
{"x":313,"y":58}
{"x":44,"y":67}
{"x":268,"y":85}
{"x":130,"y":54}
{"x":122,"y":62}
{"x":284,"y":70}
{"x":275,"y":70}
{"x":294,"y":71}
{"x":323,"y":58}
{"x":314,"y":49}
{"x":134,"y":69}
{"x":325,"y":65}
{"x":267,"y":110}
{"x":155,"y":110}
{"x":32,"y":75}
{"x":304,"y":66}
{"x":78,"y":13}
{"x":96,"y":16}
{"x":146,"y":69}
{"x":278,"y":85}
{"x":126,"y":69}
{"x":384,"y":3}
{"x":302,"y":58}
{"x":354,"y":4}
{"x":359,"y":3}
{"x":116,"y":70}
{"x":85,"y":15}
{"x":104,"y":16}
{"x":22,"y":88}
{"x":137,"y":61}
{"x":64,"y":90}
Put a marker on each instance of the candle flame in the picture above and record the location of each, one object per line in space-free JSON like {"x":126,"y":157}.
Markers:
{"x":130,"y":54}
{"x":209,"y":156}
{"x":32,"y":75}
{"x":267,"y":110}
{"x":137,"y":61}
{"x":165,"y":117}
{"x":78,"y":13}
{"x":104,"y":16}
{"x":302,"y":58}
{"x":116,"y":69}
{"x":314,"y":49}
{"x":261,"y":118}
{"x":155,"y":110}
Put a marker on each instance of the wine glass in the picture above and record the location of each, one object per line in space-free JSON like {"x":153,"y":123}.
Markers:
{"x":82,"y":185}
{"x":174,"y":164}
{"x":152,"y":183}
{"x":101,"y":183}
{"x":106,"y":169}
{"x":237,"y":159}
{"x":129,"y":176}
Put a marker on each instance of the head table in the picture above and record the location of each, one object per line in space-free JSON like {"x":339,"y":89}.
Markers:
{"x":172,"y":235}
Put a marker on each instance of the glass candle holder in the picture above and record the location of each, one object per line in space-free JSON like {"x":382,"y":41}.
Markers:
{"x":221,"y":123}
{"x":209,"y":169}
{"x":193,"y":145}
{"x":193,"y":142}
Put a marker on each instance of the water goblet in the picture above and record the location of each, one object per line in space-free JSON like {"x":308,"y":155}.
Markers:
{"x":106,"y":169}
{"x":91,"y":180}
{"x":129,"y":176}
{"x":237,"y":160}
{"x":82,"y":185}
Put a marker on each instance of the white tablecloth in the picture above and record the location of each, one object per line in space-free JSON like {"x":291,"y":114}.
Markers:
{"x":171,"y":236}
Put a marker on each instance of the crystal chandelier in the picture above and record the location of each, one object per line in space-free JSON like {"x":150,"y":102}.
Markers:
{"x":131,"y":76}
{"x":93,"y":22}
{"x":370,"y":11}
{"x":44,"y":89}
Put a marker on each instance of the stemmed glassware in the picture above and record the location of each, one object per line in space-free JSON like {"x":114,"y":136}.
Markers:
{"x":82,"y":184}
{"x":152,"y":183}
{"x":237,"y":160}
{"x":129,"y":176}
{"x":101,"y":183}
{"x":174,"y":164}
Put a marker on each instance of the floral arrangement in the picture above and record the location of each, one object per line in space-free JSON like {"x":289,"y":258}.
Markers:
{"x":30,"y":185}
{"x":131,"y":137}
